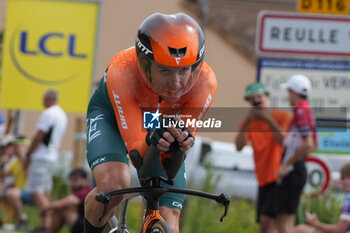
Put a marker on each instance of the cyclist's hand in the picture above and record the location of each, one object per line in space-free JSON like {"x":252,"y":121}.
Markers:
{"x":162,"y":138}
{"x":183,"y":136}
{"x":165,"y":142}
{"x":185,"y":140}
{"x":171,"y":138}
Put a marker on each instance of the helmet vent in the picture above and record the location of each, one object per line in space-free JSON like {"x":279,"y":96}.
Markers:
{"x":177,"y":52}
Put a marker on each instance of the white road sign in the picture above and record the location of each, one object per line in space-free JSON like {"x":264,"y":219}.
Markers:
{"x":330,"y":84}
{"x":302,"y":34}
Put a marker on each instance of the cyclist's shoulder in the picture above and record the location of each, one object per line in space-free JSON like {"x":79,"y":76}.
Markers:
{"x":207,"y":70}
{"x":122,"y":69}
{"x":207,"y":77}
{"x":123,"y":59}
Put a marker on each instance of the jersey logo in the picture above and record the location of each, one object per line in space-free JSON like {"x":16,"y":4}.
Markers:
{"x":177,"y":204}
{"x":120,"y":111}
{"x":93,"y":132}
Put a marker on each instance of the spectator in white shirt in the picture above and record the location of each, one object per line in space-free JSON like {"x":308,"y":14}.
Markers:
{"x":43,"y":153}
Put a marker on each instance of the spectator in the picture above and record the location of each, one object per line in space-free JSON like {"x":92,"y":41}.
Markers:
{"x":17,"y":195}
{"x":299,"y":142}
{"x":70,"y":210}
{"x":43,"y":153}
{"x":263,"y":128}
{"x":343,"y":224}
{"x":7,"y":153}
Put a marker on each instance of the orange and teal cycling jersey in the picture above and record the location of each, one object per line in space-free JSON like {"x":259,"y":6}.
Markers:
{"x":129,"y":95}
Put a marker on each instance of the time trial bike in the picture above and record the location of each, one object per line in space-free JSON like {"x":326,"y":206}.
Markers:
{"x":151,"y":191}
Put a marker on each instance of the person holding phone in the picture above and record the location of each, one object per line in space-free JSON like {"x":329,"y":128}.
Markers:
{"x":264,"y":129}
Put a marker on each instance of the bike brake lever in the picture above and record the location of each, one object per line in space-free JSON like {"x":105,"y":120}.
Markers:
{"x":104,"y":199}
{"x":225,"y":213}
{"x":224,"y":199}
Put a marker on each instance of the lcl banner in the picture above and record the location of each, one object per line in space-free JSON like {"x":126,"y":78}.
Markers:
{"x":48,"y":44}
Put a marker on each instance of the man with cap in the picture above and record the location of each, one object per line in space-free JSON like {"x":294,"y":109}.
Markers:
{"x":300,"y":140}
{"x":264,"y":129}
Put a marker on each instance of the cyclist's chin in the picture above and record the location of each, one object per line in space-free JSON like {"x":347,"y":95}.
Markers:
{"x":171,"y":98}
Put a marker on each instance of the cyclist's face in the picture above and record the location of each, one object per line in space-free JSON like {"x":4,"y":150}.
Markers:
{"x":170,"y":82}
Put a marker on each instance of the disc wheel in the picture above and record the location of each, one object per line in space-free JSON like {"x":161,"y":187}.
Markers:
{"x":159,"y":227}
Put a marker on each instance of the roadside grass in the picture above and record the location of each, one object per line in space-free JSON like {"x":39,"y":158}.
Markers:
{"x":328,"y":206}
{"x":202,"y":215}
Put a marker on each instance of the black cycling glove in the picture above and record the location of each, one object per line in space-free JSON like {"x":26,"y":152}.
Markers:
{"x":154,"y":135}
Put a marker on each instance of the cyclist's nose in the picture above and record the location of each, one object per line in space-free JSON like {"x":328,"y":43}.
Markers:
{"x":174,"y":82}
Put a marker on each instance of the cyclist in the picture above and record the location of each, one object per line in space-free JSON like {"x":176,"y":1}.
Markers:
{"x":164,"y":71}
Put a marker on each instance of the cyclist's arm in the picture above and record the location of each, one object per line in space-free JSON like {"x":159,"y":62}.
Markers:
{"x":127,"y":112}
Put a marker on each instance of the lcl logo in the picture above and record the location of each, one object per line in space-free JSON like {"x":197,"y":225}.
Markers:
{"x":43,"y":45}
{"x":28,"y":45}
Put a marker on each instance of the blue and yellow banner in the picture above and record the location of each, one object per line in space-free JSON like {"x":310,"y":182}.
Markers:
{"x":48,"y":44}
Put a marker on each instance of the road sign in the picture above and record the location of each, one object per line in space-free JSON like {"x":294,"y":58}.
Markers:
{"x":339,"y":7}
{"x":318,"y":176}
{"x":330,"y":80}
{"x":286,"y":33}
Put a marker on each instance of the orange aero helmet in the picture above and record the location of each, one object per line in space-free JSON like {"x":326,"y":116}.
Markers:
{"x":171,"y":40}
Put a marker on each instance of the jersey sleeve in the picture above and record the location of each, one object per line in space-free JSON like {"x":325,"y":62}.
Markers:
{"x":127,"y":111}
{"x":202,"y":96}
{"x":304,"y":121}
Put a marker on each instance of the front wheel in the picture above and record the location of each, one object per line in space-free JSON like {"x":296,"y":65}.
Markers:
{"x":159,"y":227}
